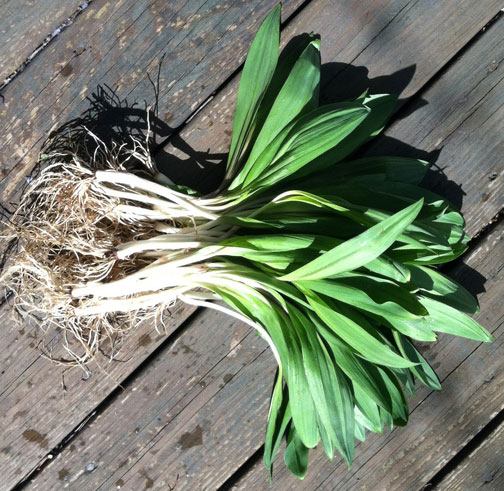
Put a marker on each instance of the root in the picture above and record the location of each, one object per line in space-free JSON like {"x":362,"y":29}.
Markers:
{"x":67,"y":230}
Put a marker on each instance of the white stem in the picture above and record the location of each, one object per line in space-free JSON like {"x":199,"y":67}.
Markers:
{"x":134,"y":285}
{"x":141,"y":198}
{"x":135,"y":212}
{"x":130,"y":304}
{"x":137,"y":246}
{"x":133,"y":181}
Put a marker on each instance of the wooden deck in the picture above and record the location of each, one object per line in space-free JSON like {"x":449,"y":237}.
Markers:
{"x":187,"y":409}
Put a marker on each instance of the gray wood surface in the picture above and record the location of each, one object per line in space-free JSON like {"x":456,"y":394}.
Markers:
{"x":217,"y":432}
{"x":482,"y":469}
{"x":25,"y":25}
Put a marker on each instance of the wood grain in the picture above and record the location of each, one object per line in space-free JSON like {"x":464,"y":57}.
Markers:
{"x":229,"y":439}
{"x":167,"y":415}
{"x":456,"y":124}
{"x":482,"y":469}
{"x":25,"y":24}
{"x":42,"y":403}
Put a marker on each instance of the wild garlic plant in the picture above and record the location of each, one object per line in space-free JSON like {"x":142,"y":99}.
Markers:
{"x":331,"y":259}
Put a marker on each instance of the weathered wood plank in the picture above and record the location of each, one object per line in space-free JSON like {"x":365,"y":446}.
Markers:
{"x":456,"y":123}
{"x":174,"y":399}
{"x":31,"y":395}
{"x":482,"y":469}
{"x":25,"y":25}
{"x":42,"y":403}
{"x":229,"y":440}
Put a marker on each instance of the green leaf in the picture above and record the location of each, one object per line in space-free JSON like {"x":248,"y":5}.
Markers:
{"x":422,"y":370}
{"x":310,"y":136}
{"x":381,"y":106}
{"x":330,"y":392}
{"x":399,"y":404}
{"x":300,"y":400}
{"x":380,"y":297}
{"x":368,"y":409}
{"x":363,"y":374}
{"x":358,"y":338}
{"x":296,"y":454}
{"x":388,"y":268}
{"x":447,"y":319}
{"x":314,"y":369}
{"x":360,"y":250}
{"x":256,"y":76}
{"x":278,"y":419}
{"x":298,"y":95}
{"x":400,"y":169}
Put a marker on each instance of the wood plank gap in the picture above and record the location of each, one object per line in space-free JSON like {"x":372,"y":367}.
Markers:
{"x":474,"y":242}
{"x":109,"y":399}
{"x":43,"y":45}
{"x":247,"y":466}
{"x":473,"y":444}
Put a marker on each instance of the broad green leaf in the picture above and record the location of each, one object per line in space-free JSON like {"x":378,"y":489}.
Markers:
{"x":401,"y":169}
{"x":419,"y":329}
{"x":358,"y":338}
{"x":359,"y":371}
{"x":368,"y":409}
{"x":310,"y":136}
{"x":387,"y":267}
{"x":447,"y":319}
{"x":360,"y":250}
{"x":341,"y":396}
{"x":360,"y":430}
{"x":278,"y":419}
{"x":256,"y":307}
{"x":298,"y":95}
{"x":399,"y":404}
{"x":301,"y":402}
{"x":422,"y":370}
{"x":383,"y":298}
{"x":330,"y":392}
{"x":256,"y":75}
{"x":381,"y":106}
{"x":315,"y":370}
